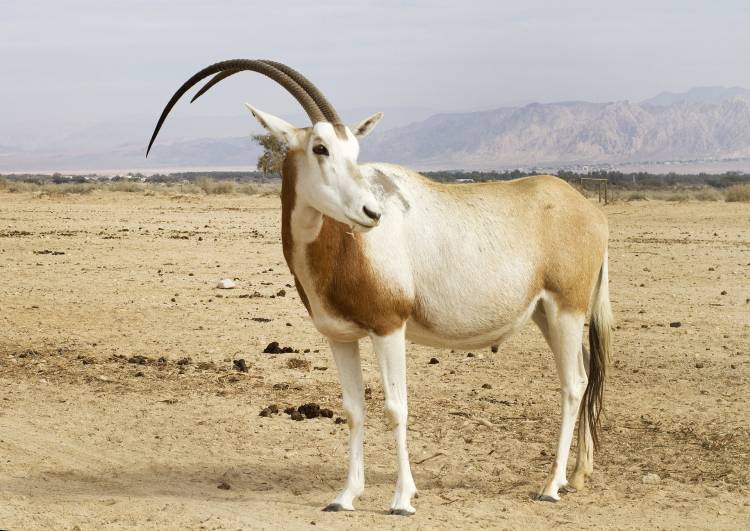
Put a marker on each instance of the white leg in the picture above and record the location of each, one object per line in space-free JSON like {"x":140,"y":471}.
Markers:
{"x":585,"y":459}
{"x":391,"y":352}
{"x":565,"y":330}
{"x":346,"y":356}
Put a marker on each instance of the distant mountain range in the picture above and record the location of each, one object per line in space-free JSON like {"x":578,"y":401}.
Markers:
{"x":713,"y":95}
{"x":574,"y":133}
{"x":705,"y":123}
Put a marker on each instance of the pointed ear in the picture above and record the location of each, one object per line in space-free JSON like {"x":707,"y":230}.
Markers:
{"x":364,"y":127}
{"x":283,"y":131}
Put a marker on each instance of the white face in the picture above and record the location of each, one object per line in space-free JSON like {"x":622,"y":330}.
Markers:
{"x":329,"y":178}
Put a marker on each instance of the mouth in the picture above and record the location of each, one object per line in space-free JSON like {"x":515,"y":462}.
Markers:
{"x":356,"y":224}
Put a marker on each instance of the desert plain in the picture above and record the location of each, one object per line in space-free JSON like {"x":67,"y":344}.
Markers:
{"x":123,"y":403}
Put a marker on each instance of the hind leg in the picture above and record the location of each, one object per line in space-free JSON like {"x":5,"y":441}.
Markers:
{"x":564,"y":331}
{"x":585,"y":458}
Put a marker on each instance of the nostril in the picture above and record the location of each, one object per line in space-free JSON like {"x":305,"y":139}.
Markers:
{"x":375,"y":216}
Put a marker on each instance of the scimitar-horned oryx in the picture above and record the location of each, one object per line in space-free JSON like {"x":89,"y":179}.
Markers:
{"x":378,"y":250}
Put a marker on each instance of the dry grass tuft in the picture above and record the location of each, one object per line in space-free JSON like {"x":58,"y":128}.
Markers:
{"x":211,"y":186}
{"x":637,"y":196}
{"x":739,"y":193}
{"x":67,"y":188}
{"x":126,"y":186}
{"x":708,"y":194}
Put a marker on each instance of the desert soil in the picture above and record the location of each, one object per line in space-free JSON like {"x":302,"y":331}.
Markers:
{"x":121,"y":406}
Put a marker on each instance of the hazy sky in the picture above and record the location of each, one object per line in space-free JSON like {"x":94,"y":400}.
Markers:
{"x":68,"y":62}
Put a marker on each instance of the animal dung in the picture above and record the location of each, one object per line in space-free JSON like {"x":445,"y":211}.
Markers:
{"x":310,"y":410}
{"x":240,"y":365}
{"x":434,"y":361}
{"x":274,"y":348}
{"x":269,"y":410}
{"x":226,"y":283}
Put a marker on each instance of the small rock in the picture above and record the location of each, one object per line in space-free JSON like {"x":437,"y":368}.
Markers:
{"x":469,"y":354}
{"x":699,"y":365}
{"x":289,"y":410}
{"x":240,"y":365}
{"x":675,"y":324}
{"x":724,"y":292}
{"x":224,"y":486}
{"x":226,"y":283}
{"x":434,"y":361}
{"x":184,"y":361}
{"x":281,"y":293}
{"x":327,"y":413}
{"x":486,"y":386}
{"x":339,"y":420}
{"x":283,"y":386}
{"x":296,"y":415}
{"x":651,"y":479}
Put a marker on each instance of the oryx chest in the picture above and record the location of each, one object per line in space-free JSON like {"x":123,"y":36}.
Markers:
{"x":355,"y":283}
{"x":325,"y":319}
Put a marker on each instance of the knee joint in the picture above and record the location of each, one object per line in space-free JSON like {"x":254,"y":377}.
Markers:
{"x":574,"y":393}
{"x":395,"y":412}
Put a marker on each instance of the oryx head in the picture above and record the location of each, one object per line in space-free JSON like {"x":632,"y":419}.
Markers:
{"x":325,"y":154}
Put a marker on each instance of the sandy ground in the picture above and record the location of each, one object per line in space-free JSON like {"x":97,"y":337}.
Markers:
{"x":93,"y":436}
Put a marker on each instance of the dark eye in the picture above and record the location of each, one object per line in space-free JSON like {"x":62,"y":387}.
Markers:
{"x":320,"y":149}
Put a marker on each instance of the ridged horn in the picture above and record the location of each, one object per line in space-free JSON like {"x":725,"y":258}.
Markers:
{"x":325,"y":107}
{"x":238,"y":65}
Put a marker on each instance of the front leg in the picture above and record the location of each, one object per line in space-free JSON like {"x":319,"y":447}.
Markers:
{"x":391,"y":352}
{"x":346,"y":356}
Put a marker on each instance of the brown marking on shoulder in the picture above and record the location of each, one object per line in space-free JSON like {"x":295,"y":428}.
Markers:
{"x":347,"y":284}
{"x":288,"y":200}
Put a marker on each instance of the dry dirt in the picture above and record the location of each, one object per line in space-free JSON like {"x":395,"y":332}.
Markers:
{"x":105,"y":425}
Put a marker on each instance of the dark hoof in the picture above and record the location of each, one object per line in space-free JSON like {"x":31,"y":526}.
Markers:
{"x":333,"y":508}
{"x":545,"y":497}
{"x":401,"y":512}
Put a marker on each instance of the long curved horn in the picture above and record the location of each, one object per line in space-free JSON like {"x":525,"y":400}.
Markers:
{"x":213,"y":81}
{"x":325,"y":107}
{"x":307,"y":102}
